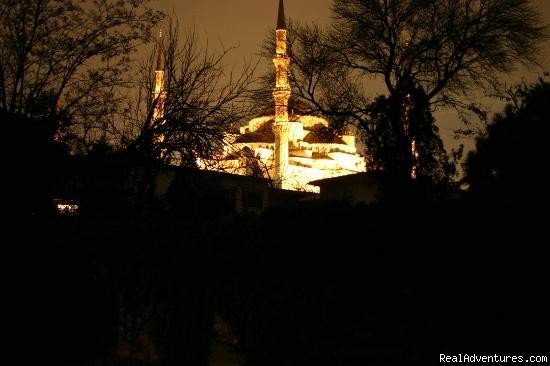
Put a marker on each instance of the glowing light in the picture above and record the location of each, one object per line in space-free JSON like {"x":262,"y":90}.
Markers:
{"x":159,"y":98}
{"x":414,"y":154}
{"x":66,"y":208}
{"x":408,"y":107}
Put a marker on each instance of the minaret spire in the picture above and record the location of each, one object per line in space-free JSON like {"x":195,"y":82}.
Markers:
{"x":281,"y":22}
{"x":160,"y":57}
{"x":281,"y":95}
{"x":158,"y":88}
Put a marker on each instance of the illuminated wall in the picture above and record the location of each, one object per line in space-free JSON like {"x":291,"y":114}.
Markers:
{"x":286,"y":157}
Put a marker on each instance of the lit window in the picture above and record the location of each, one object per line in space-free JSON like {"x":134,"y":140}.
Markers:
{"x":66,"y":207}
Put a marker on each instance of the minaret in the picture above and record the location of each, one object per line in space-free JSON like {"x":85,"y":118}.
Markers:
{"x":408,"y":106}
{"x":159,"y":98}
{"x":159,"y":94}
{"x":281,"y":94}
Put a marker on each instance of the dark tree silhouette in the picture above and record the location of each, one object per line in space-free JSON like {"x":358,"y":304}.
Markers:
{"x":444,"y":47}
{"x":70,"y":58}
{"x":385,"y":140}
{"x":511,"y":156}
{"x":430,"y":51}
{"x":31,"y":167}
{"x":202,"y":99}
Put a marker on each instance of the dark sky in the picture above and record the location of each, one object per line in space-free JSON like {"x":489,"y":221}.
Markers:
{"x":244,"y":23}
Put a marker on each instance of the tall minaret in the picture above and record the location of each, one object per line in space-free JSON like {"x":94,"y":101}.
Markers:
{"x":159,"y":95}
{"x":281,"y":94}
{"x":408,"y":106}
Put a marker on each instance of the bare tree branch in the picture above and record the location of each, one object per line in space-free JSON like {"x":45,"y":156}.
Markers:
{"x":202,"y":101}
{"x":69,"y":57}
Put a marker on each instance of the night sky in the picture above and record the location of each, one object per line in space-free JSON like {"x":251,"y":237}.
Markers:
{"x":244,"y":23}
{"x":157,"y":253}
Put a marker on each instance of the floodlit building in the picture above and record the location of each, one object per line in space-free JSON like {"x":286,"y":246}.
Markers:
{"x":289,"y":149}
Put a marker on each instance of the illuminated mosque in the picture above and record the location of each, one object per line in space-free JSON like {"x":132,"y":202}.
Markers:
{"x":291,"y":150}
